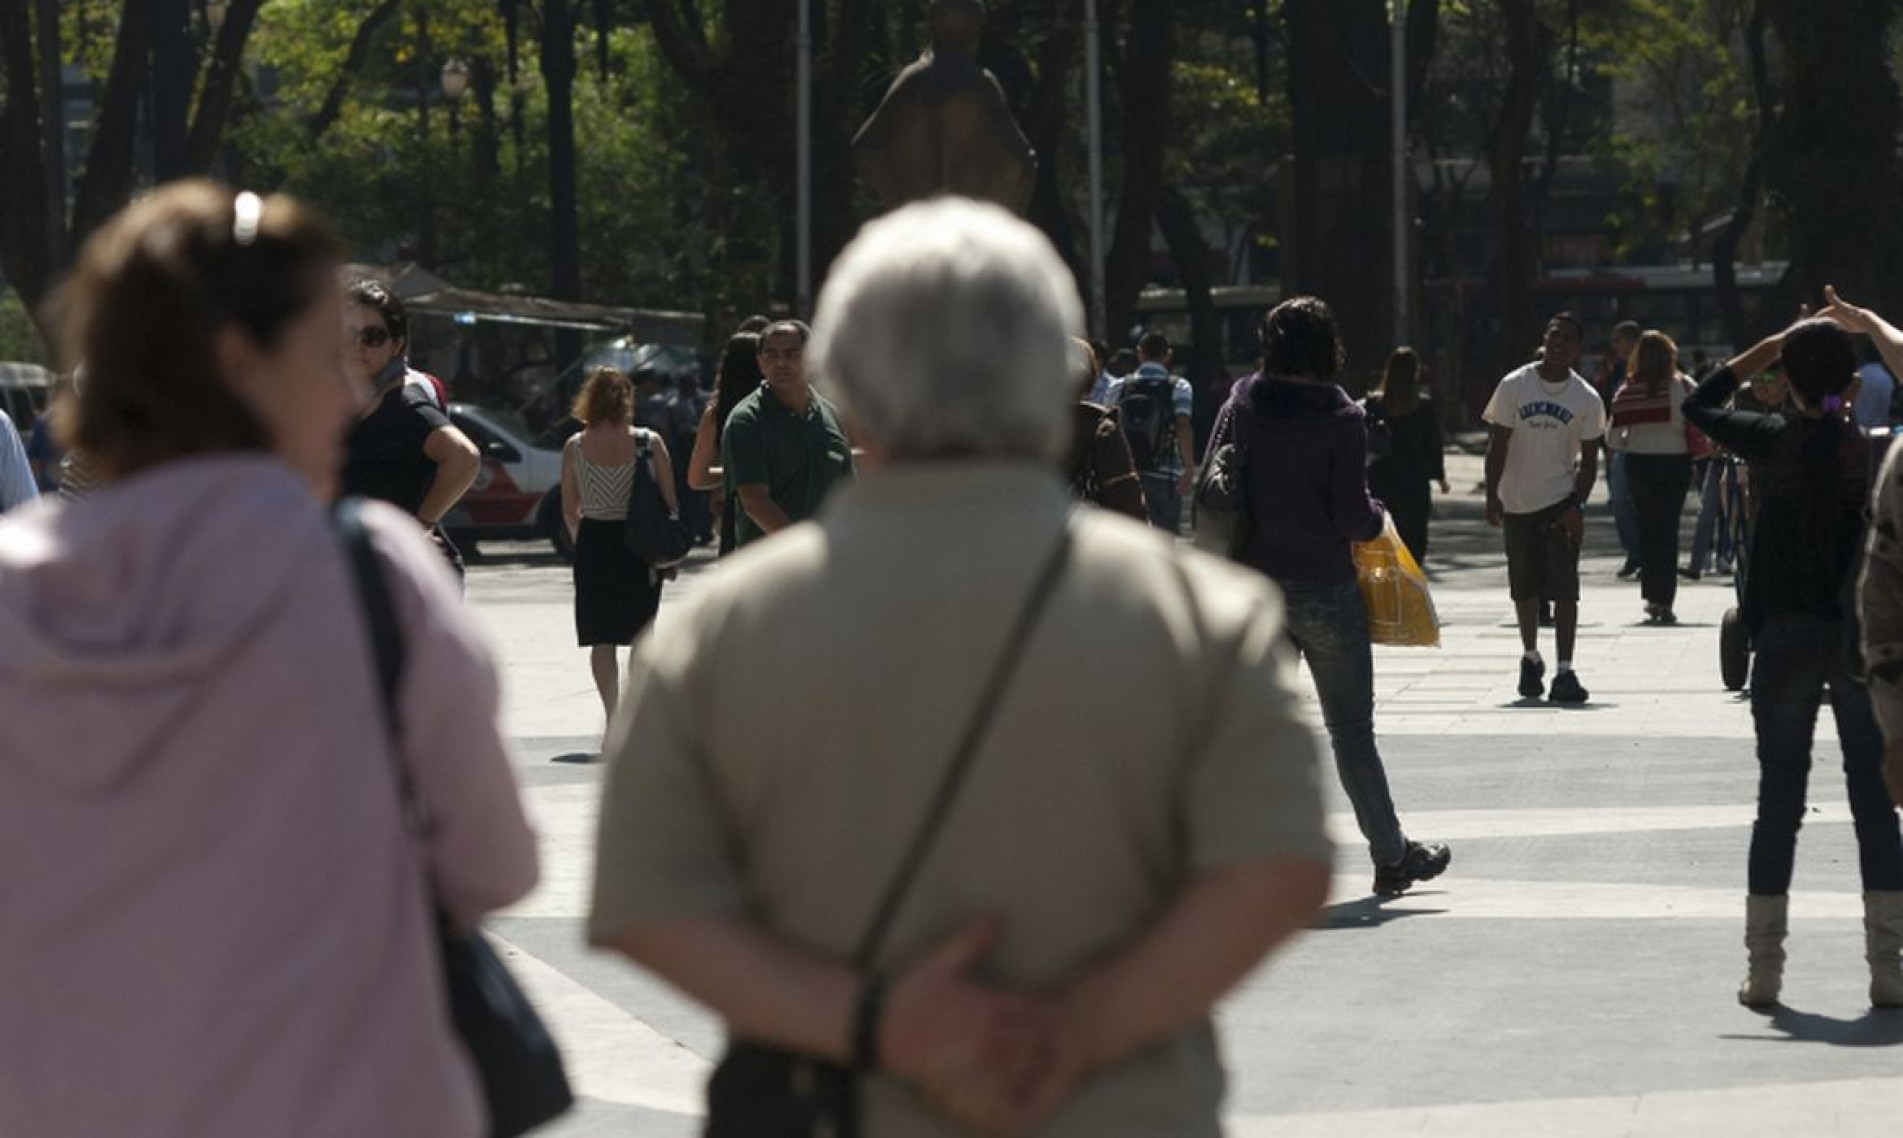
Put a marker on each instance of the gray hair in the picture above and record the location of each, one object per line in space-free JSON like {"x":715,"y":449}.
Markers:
{"x":945,"y":329}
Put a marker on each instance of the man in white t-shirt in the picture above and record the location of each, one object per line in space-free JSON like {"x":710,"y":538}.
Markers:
{"x":1540,"y":471}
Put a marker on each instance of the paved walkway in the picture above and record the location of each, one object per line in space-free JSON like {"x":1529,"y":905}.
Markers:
{"x":1571,"y":974}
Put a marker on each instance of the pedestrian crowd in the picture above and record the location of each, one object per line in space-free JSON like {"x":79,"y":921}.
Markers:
{"x":862,"y":796}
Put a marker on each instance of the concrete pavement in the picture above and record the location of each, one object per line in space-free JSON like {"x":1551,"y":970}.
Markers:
{"x":1572,"y":974}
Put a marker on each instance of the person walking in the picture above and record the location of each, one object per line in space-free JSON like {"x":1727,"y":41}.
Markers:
{"x":403,"y":449}
{"x":17,"y":484}
{"x":784,"y":447}
{"x":738,"y":377}
{"x":1648,"y":432}
{"x":1101,"y":469}
{"x":1810,"y":473}
{"x":1304,"y":445}
{"x":616,"y":596}
{"x":1544,"y":426}
{"x":1401,"y":479}
{"x":230,"y":933}
{"x":1157,"y":410}
{"x":1625,"y":518}
{"x":1053,"y":965}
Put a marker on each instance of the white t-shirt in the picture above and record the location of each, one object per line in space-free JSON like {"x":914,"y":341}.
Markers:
{"x":1550,"y":423}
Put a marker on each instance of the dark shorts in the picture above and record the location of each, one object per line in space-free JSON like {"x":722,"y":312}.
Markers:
{"x":1541,"y":562}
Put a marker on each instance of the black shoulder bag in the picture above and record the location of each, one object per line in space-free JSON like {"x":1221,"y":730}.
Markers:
{"x":1220,"y":517}
{"x":654,"y":533}
{"x":516,"y":1061}
{"x":759,"y":1091}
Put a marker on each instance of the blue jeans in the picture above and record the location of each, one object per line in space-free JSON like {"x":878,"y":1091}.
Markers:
{"x":1625,"y":516}
{"x":1164,"y":503}
{"x":1797,"y":657}
{"x":1329,"y":627}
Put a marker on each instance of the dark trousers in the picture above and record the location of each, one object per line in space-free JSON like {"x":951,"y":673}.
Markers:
{"x":1798,"y":657}
{"x":1657,"y":484}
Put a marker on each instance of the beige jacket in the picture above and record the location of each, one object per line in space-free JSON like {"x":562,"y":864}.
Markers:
{"x":1880,"y":596}
{"x":784,"y":730}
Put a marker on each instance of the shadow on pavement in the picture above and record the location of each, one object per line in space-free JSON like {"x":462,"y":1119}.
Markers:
{"x":1874,"y":1028}
{"x":1366,"y":913}
{"x":580,"y":758}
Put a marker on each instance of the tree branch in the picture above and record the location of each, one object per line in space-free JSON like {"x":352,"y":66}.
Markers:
{"x":108,"y":178}
{"x":683,"y":41}
{"x":359,"y":54}
{"x":221,"y":80}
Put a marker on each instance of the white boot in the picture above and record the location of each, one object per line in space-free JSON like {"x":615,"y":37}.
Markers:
{"x":1766,"y":919}
{"x":1883,"y":947}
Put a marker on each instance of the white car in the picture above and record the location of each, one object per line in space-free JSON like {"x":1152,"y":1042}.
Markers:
{"x":517,"y":496}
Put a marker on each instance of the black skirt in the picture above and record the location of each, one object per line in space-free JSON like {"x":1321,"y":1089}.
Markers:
{"x":615,"y":595}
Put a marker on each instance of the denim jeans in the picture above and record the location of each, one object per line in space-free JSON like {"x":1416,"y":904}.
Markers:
{"x":1164,"y":502}
{"x":1329,"y":627}
{"x":1625,"y":518}
{"x":1797,"y":658}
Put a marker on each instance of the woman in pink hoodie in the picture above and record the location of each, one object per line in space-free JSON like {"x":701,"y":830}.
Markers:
{"x":214,"y":918}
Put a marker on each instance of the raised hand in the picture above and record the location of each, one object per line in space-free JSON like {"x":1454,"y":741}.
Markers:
{"x":1847,"y":316}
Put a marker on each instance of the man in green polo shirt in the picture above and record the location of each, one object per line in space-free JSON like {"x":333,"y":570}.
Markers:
{"x":783,"y":448}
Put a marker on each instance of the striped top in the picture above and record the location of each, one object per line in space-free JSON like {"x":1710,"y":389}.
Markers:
{"x":605,"y":489}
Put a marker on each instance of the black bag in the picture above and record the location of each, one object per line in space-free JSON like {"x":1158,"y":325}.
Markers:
{"x":653,"y":534}
{"x":759,"y":1091}
{"x":1147,"y":407}
{"x":516,"y":1061}
{"x":1380,"y":431}
{"x":1219,"y":518}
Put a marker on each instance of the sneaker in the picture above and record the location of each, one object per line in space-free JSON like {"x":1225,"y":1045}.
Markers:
{"x":1663,"y":615}
{"x":1567,"y":689}
{"x":1420,"y":863}
{"x":1629,"y":571}
{"x":1689,"y":574}
{"x":1532,"y":678}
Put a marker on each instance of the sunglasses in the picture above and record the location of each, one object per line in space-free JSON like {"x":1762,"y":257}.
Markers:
{"x":373,"y":337}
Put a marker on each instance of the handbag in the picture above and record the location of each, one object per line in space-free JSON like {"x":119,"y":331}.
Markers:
{"x":516,"y":1061}
{"x":653,"y":533}
{"x":1219,"y":507}
{"x":758,"y":1091}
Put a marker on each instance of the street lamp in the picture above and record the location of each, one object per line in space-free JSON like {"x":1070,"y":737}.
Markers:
{"x":455,"y":80}
{"x":455,"y":83}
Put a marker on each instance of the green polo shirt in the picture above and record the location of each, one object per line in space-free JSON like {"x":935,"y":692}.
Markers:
{"x":798,"y":458}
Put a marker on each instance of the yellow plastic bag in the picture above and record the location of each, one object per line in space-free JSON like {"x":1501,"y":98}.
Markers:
{"x":1394,"y":590}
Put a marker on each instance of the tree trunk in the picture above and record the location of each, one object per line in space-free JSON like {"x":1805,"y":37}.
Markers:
{"x":1510,"y":270}
{"x":1833,"y":163}
{"x":220,"y":86}
{"x":1143,"y":84}
{"x":1184,"y":235}
{"x":1724,"y":253}
{"x":26,"y":256}
{"x":558,"y":73}
{"x":172,"y":74}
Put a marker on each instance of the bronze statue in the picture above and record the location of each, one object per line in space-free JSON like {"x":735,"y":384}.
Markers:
{"x":944,"y":126}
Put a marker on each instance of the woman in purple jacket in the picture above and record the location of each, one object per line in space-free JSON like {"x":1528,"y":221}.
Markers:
{"x":1304,"y":447}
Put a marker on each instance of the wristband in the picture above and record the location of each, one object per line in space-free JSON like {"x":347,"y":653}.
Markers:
{"x":865,"y":1025}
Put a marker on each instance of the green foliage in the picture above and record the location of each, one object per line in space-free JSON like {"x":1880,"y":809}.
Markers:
{"x":19,"y":339}
{"x":400,"y":184}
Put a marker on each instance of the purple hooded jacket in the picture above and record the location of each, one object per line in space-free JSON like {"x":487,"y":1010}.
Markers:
{"x":1307,"y":478}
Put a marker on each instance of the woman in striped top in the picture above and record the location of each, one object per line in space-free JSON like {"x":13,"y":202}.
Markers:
{"x":1648,"y":426}
{"x":615,"y":595}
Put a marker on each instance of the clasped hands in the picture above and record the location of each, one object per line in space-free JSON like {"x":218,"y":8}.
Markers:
{"x":994,"y":1061}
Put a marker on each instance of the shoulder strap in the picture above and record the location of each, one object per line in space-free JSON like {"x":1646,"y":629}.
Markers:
{"x":954,"y":776}
{"x":379,"y":614}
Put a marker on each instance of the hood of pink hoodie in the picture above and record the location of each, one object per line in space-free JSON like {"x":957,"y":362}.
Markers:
{"x":116,"y":611}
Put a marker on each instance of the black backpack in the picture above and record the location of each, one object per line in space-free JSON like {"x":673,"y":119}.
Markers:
{"x":1148,"y":409}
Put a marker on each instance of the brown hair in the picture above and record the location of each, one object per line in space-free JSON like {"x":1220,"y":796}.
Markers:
{"x":143,"y":308}
{"x":607,"y":396}
{"x":1088,"y":369}
{"x":1400,"y":388}
{"x":1654,"y":361}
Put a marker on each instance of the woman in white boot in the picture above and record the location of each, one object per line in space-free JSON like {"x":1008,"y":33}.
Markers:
{"x":1810,"y":471}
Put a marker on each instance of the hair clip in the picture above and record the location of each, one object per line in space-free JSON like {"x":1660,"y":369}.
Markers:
{"x":247,"y":214}
{"x":1833,"y":404}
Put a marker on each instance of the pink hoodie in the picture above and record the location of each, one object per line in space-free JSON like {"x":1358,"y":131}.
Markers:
{"x":213,"y":920}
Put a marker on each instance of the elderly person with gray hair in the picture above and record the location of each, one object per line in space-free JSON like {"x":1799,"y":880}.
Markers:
{"x":879,"y":712}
